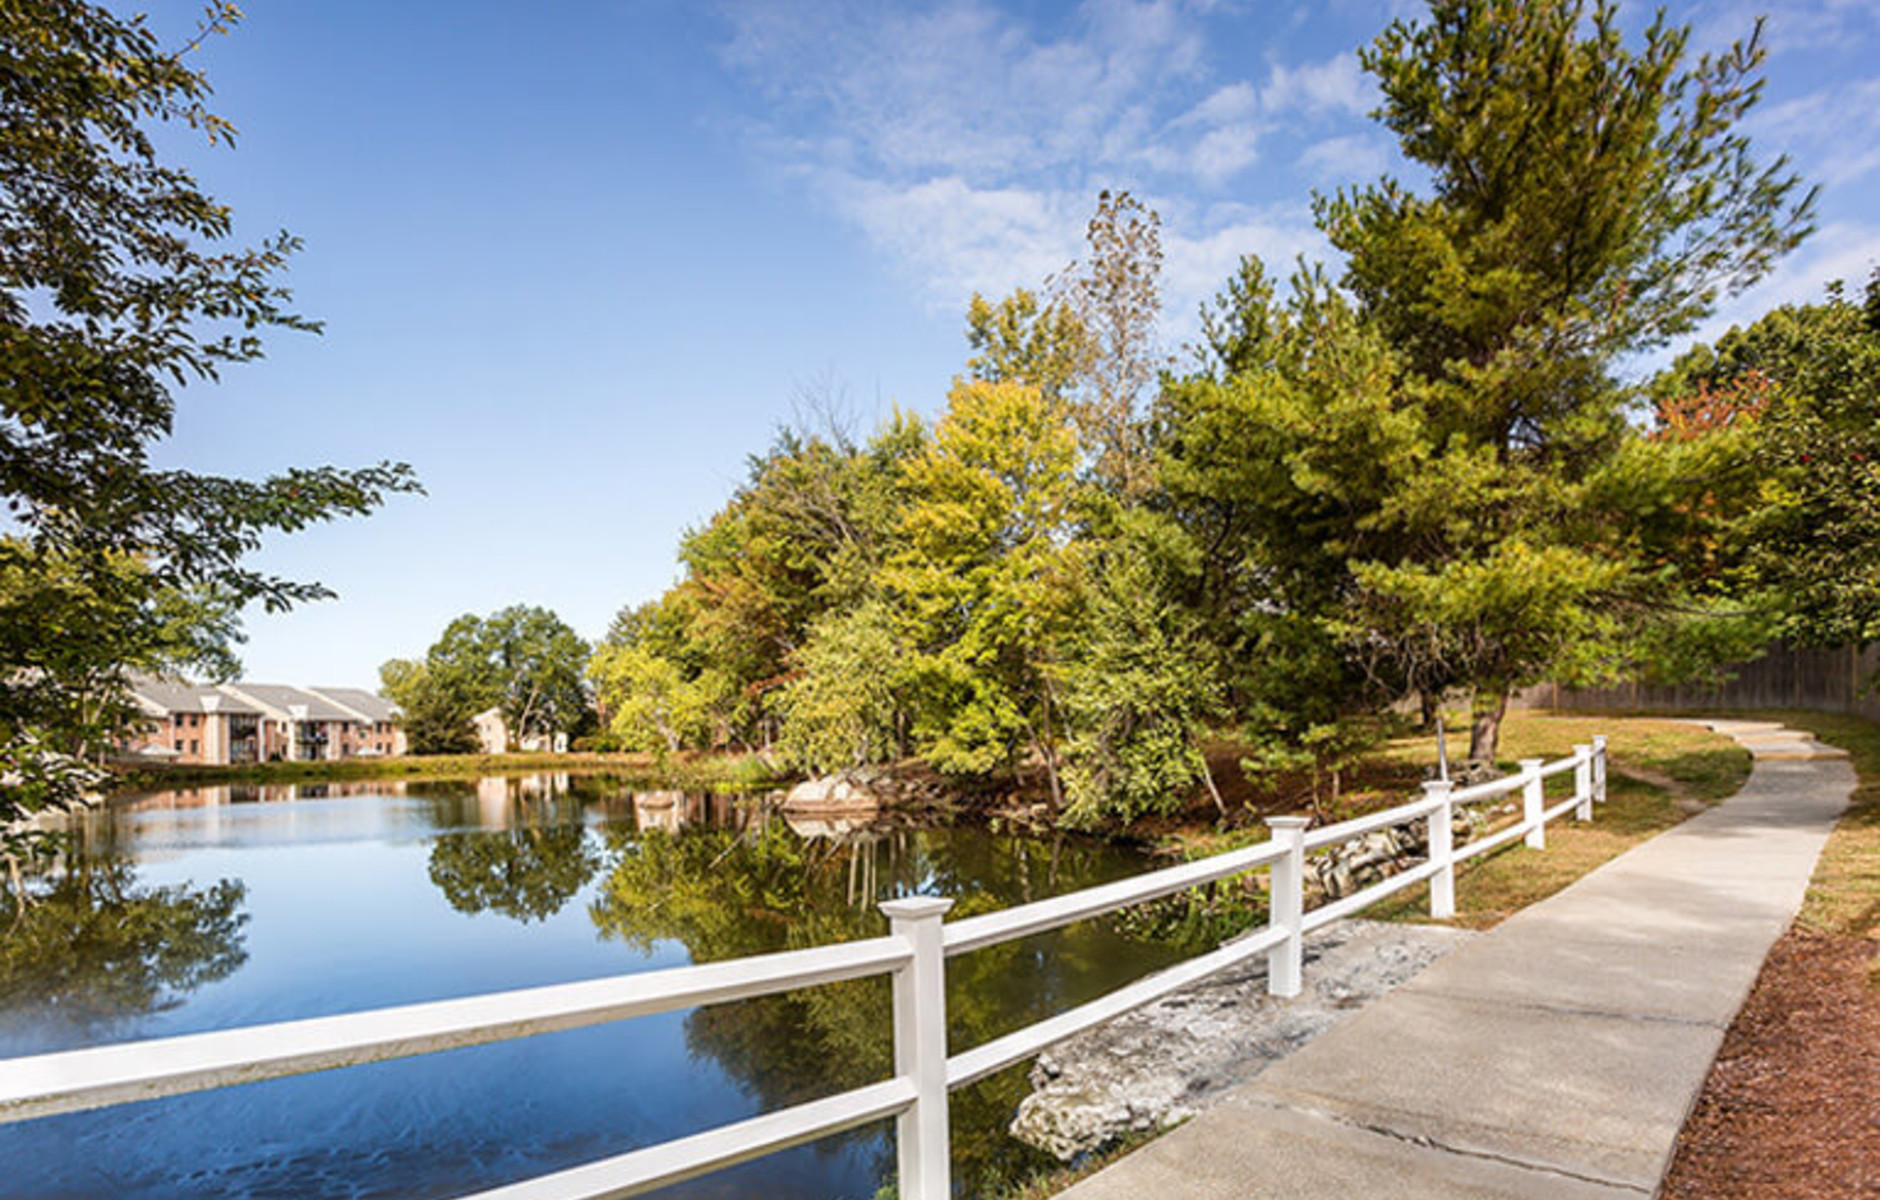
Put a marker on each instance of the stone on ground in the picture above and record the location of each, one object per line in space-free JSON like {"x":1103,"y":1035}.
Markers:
{"x":1164,"y":1063}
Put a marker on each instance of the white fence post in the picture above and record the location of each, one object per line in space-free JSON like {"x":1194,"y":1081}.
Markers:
{"x":1442,"y":851}
{"x":1599,"y":768}
{"x":920,"y":1048}
{"x":1533,"y":801}
{"x":1583,"y":782}
{"x":1286,"y":908}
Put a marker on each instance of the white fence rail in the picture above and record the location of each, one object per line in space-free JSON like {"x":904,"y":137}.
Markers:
{"x":914,"y":953}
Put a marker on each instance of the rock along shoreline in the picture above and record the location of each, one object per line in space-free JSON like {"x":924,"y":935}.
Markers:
{"x":1162,"y":1064}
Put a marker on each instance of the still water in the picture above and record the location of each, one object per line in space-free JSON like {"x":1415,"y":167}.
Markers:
{"x":209,"y":908}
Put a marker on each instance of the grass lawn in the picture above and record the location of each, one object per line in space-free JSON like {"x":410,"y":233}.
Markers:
{"x":1659,"y":772}
{"x":1672,"y":755}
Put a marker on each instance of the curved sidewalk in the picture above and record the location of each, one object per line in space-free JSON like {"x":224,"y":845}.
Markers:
{"x":1556,"y":1055}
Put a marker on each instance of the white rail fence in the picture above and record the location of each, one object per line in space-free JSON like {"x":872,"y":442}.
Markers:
{"x":914,"y":953}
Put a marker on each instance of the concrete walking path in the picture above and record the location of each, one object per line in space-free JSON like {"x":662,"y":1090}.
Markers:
{"x":1557,"y":1055}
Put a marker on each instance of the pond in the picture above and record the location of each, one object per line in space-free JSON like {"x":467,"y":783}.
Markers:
{"x":210,"y":908}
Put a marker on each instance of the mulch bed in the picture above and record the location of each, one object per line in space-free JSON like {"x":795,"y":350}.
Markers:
{"x":1791,"y":1110}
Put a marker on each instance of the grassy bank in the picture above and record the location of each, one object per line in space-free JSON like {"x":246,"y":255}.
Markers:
{"x":687,"y":771}
{"x":1660,"y":771}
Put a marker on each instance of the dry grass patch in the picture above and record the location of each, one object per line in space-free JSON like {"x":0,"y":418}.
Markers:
{"x":1659,"y":773}
{"x":1503,"y":882}
{"x":1675,"y":756}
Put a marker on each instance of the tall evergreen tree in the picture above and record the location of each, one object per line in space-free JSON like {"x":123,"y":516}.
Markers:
{"x":1588,"y":199}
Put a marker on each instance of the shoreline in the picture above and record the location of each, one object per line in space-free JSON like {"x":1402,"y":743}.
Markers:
{"x":742,"y":772}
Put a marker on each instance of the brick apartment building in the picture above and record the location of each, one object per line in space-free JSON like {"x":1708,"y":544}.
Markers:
{"x":261,"y":722}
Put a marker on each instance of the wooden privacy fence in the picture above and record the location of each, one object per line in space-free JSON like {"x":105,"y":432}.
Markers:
{"x":914,"y":953}
{"x":1786,"y":677}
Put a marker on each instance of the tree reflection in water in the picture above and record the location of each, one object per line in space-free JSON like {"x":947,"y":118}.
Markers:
{"x":95,"y":947}
{"x":726,"y":894}
{"x":527,"y":873}
{"x":719,"y":876}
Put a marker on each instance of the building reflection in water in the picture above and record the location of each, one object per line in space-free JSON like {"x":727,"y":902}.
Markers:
{"x":869,"y":851}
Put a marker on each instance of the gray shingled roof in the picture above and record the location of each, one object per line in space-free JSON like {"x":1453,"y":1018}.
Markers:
{"x":368,"y":704}
{"x":171,"y":697}
{"x":282,"y":698}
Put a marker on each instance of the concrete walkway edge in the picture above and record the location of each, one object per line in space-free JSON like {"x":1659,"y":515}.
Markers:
{"x":1557,"y":1055}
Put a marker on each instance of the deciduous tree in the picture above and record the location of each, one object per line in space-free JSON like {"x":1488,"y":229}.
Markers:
{"x":1788,"y":411}
{"x":118,"y":285}
{"x":522,"y":659}
{"x":987,"y":577}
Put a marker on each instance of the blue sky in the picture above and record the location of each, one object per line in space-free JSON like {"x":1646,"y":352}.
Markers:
{"x":577,"y":260}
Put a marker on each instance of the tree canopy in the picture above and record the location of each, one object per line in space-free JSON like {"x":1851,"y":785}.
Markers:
{"x":120,"y":285}
{"x":1784,"y":415}
{"x":1422,"y":475}
{"x":1587,"y":200}
{"x":523,"y":660}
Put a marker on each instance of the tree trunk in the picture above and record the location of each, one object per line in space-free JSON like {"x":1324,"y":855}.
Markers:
{"x":18,"y":882}
{"x":1486,"y":711}
{"x":1049,"y":753}
{"x":1047,"y":746}
{"x":1429,"y":707}
{"x":1207,"y":776}
{"x":673,"y":741}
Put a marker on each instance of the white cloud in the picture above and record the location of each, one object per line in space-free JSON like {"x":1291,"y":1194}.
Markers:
{"x":1337,"y":85}
{"x":962,"y":88}
{"x":958,"y":238}
{"x":1196,"y":266}
{"x":968,"y":143}
{"x":1353,"y":158}
{"x":1225,"y":152}
{"x":1843,"y":250}
{"x":1848,"y":251}
{"x":1229,"y":104}
{"x":1832,"y":134}
{"x":1795,"y":26}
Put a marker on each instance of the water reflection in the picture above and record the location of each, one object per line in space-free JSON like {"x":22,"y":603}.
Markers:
{"x":359,"y":895}
{"x":95,"y":947}
{"x":527,"y":872}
